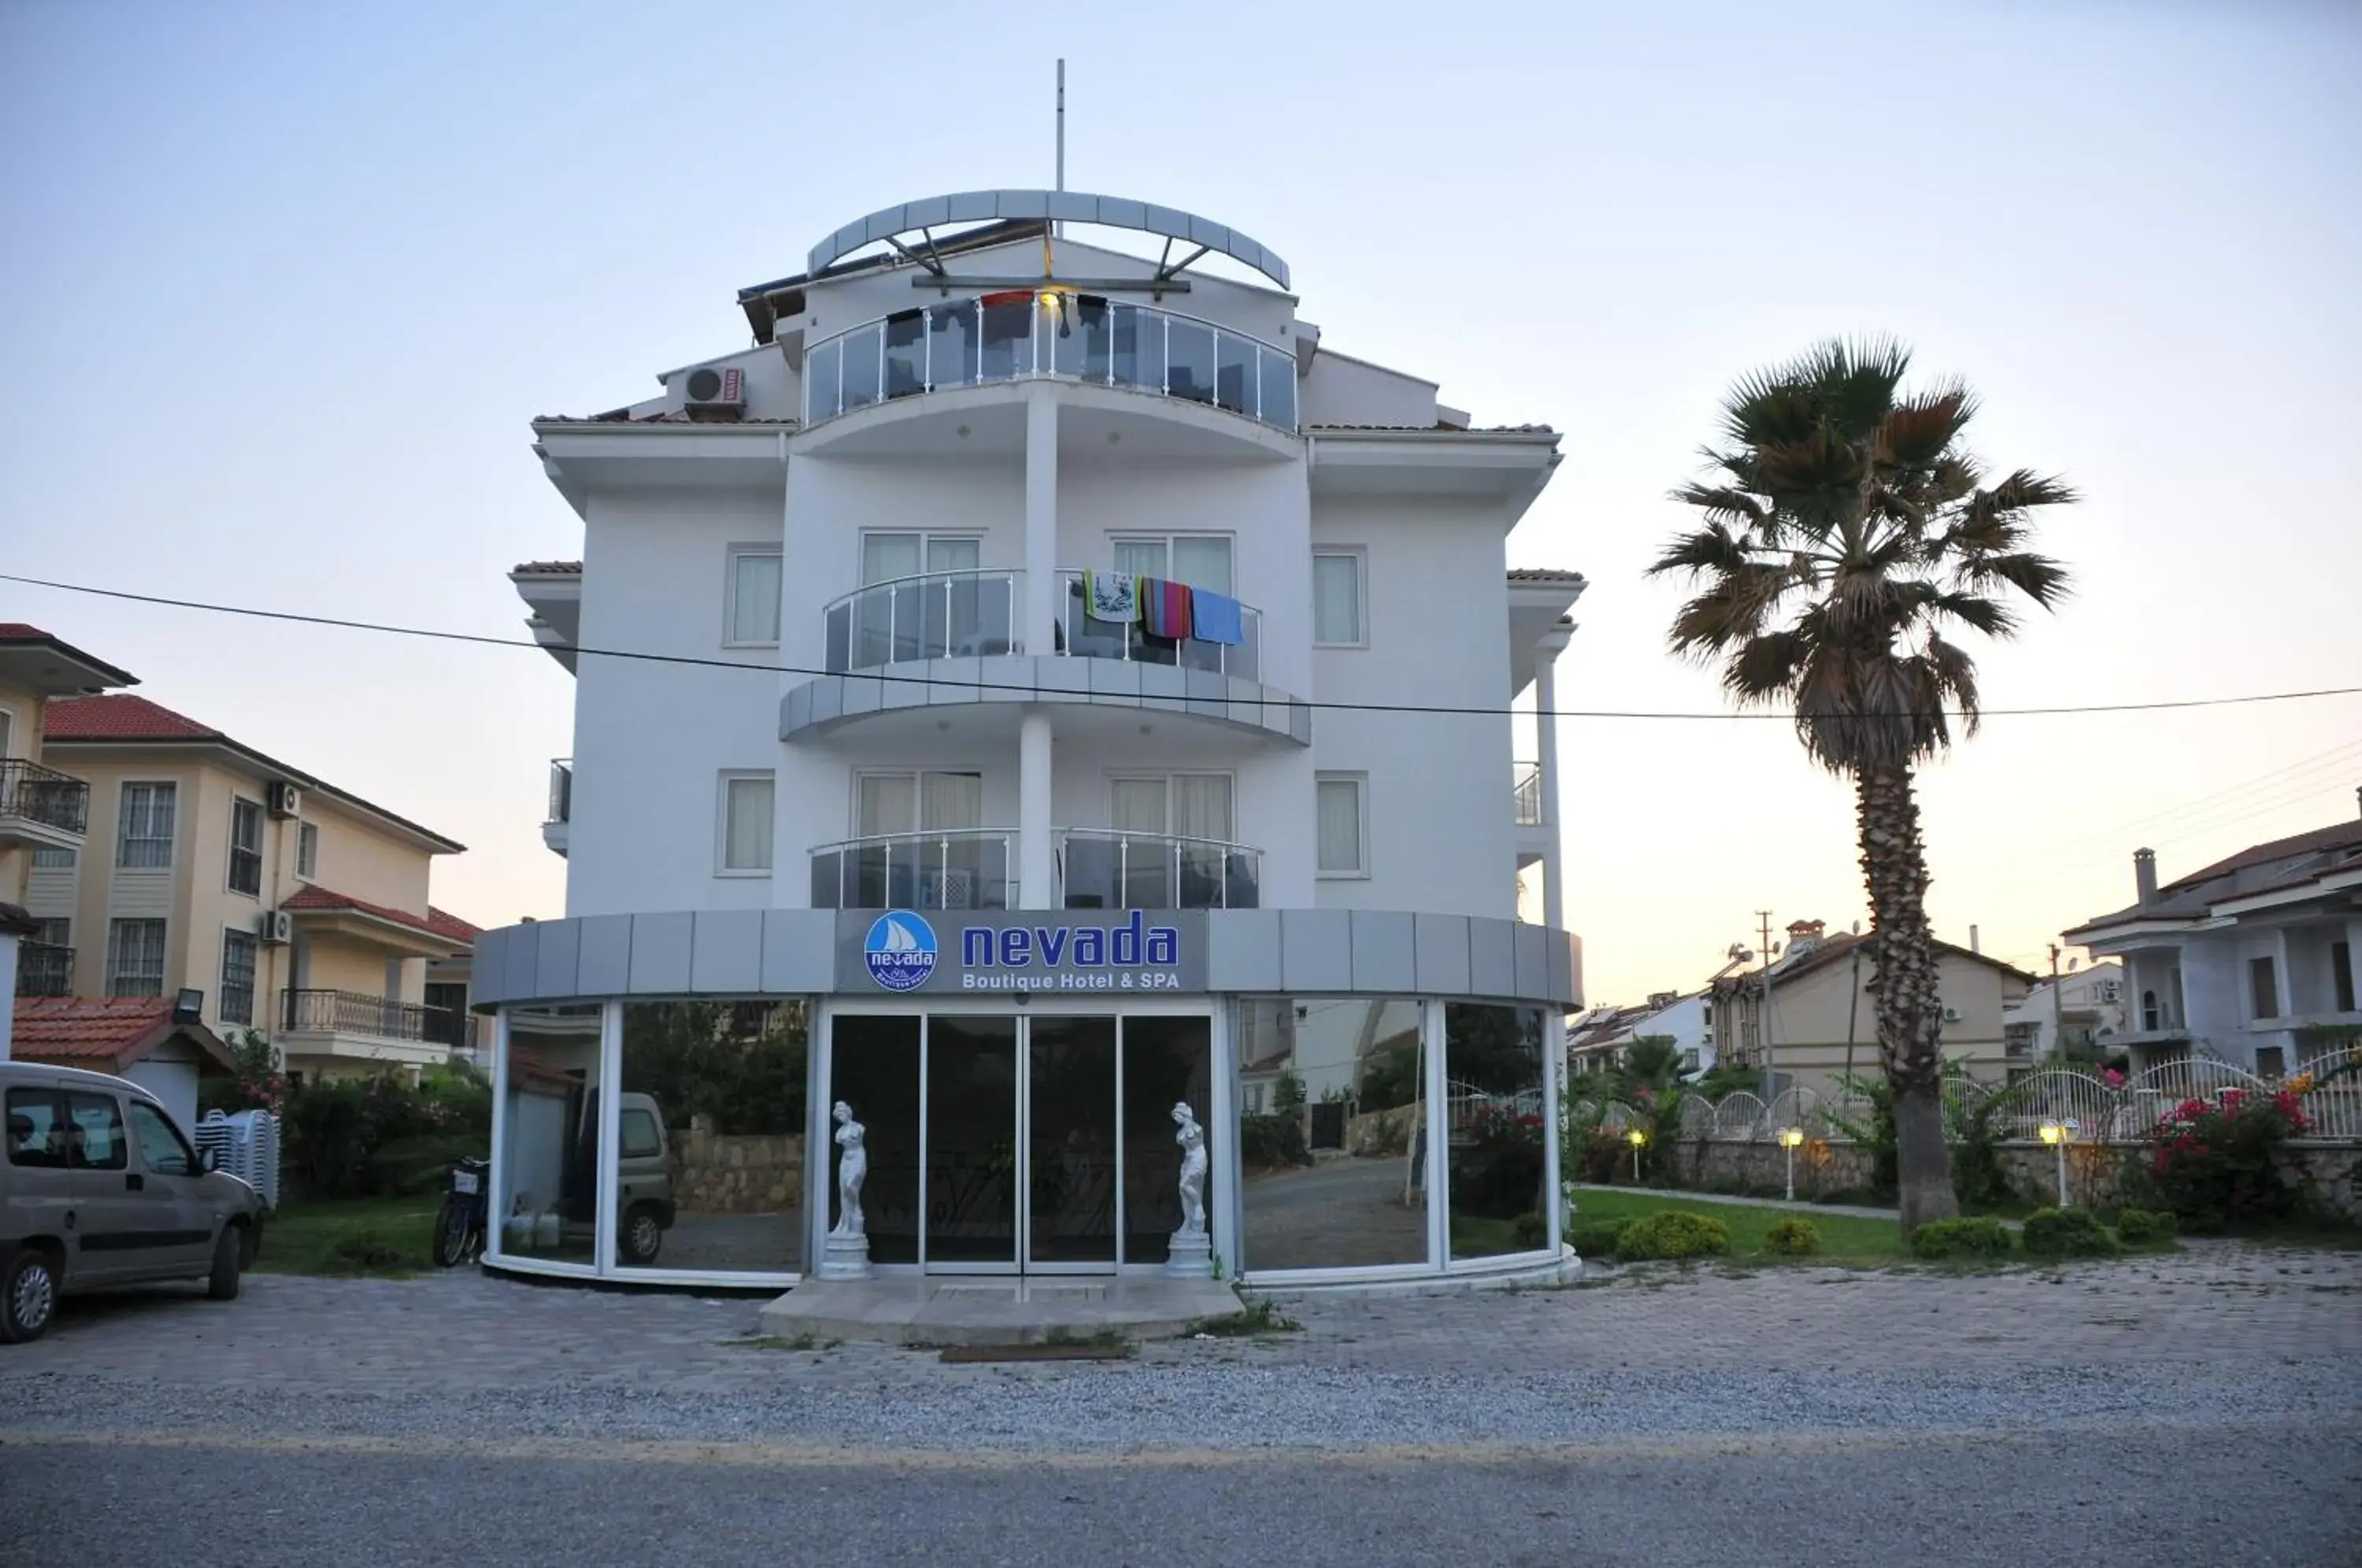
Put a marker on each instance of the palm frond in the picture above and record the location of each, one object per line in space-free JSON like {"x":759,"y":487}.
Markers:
{"x":1978,"y":612}
{"x":1919,"y":429}
{"x":1767,"y":668}
{"x":2039,"y":578}
{"x":1713,"y":548}
{"x":1737,"y":605}
{"x":1723,"y":504}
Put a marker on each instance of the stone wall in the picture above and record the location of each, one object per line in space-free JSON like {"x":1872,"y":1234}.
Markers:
{"x":714,"y":1172}
{"x":1717,"y":1165}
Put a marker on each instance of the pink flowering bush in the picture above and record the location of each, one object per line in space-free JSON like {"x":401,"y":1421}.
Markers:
{"x":2213,"y":1163}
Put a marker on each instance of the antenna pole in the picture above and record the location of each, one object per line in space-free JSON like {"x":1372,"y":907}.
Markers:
{"x":1062,"y":130}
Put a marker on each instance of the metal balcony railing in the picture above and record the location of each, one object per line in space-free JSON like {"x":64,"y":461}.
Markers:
{"x":1083,"y":636}
{"x":357,"y":1012}
{"x":967,"y":868}
{"x":937,"y":614}
{"x":44,"y":969}
{"x":1528,"y":794}
{"x":44,"y":795}
{"x":561,"y":789}
{"x":1018,"y":334}
{"x":1100,"y":868}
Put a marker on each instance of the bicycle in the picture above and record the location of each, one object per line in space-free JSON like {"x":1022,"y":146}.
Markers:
{"x":459,"y":1229}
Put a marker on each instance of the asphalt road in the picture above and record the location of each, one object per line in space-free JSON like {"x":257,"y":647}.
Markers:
{"x":2257,"y":1496}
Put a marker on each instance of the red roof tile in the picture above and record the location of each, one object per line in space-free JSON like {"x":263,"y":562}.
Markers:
{"x":546,"y":569}
{"x":317,"y":898}
{"x":19,"y":633}
{"x":120,"y":716}
{"x":444,"y":922}
{"x":1544,"y":574}
{"x":104,"y":1033}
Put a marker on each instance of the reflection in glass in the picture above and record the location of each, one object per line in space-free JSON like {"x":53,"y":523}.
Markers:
{"x":1071,"y":1207}
{"x":711,"y":1137}
{"x":971,"y":1140}
{"x":1493,"y":1112}
{"x":549,"y":1201}
{"x":1008,"y":336}
{"x":951,"y":344}
{"x":821,"y":388}
{"x":1137,"y":337}
{"x":1277,"y":372}
{"x":863,"y":353}
{"x":1165,"y":1061}
{"x":874,"y":1067}
{"x":1189,"y":360}
{"x":1235,"y":387}
{"x":1332,"y":1142}
{"x":906,"y":353}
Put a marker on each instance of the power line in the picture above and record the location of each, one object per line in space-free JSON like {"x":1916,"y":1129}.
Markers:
{"x":1435,"y":708}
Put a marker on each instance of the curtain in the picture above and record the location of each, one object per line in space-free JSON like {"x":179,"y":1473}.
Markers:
{"x":755,"y":598}
{"x":1139,"y":805}
{"x":1140,"y":558}
{"x":954,"y":555}
{"x":888,"y":805}
{"x":1339,"y":835}
{"x":888,"y":556}
{"x":1336,"y":599}
{"x":1202,"y":562}
{"x":748,"y":830}
{"x":1201,"y":805}
{"x":949,"y":802}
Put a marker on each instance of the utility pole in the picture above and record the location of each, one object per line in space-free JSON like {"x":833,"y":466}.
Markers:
{"x":1062,"y":132}
{"x":2057,"y":1009}
{"x":1770,"y":1075}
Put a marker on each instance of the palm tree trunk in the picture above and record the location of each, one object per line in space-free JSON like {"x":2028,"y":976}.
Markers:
{"x":1910,"y":1020}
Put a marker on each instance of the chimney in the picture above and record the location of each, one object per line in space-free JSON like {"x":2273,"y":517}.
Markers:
{"x":2145,"y":874}
{"x":1974,"y":946}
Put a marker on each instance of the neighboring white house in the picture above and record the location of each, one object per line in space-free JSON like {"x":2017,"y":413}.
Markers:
{"x":2237,"y":959}
{"x":1064,"y":591}
{"x":2084,"y":1007}
{"x":1598,"y":1040}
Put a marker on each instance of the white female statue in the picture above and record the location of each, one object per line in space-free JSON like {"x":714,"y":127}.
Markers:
{"x":1192,"y":1138}
{"x":852,"y":1170}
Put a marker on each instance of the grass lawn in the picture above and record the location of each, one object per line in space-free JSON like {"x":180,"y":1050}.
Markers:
{"x":351,"y":1236}
{"x":1845,"y":1239}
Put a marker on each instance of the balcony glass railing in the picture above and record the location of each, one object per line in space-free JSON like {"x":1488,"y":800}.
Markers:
{"x":1099,"y":869}
{"x":561,"y":791}
{"x":941,"y":615}
{"x":1024,"y":333}
{"x":967,"y":868}
{"x":1528,"y":794}
{"x":1085,"y":636}
{"x":43,"y":795}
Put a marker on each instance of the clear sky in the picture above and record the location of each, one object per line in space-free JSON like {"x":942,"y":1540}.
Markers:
{"x":283,"y":284}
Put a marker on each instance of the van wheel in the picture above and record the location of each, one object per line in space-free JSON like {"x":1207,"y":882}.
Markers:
{"x":29,"y":1296}
{"x":639,"y":1239}
{"x":222,"y":1284}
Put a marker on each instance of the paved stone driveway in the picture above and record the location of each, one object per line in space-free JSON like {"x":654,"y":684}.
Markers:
{"x":462,"y":1330}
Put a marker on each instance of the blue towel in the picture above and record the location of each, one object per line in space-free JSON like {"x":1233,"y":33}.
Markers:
{"x":1217,"y":618}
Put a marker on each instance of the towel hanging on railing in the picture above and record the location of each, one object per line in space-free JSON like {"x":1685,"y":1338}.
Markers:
{"x":1111,"y":595}
{"x":1164,"y":608}
{"x":1217,"y":618}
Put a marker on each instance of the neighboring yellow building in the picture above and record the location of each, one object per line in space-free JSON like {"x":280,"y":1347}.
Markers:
{"x":296,"y":909}
{"x":1823,"y":1017}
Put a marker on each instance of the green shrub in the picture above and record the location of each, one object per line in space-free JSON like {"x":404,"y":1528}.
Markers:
{"x":2143,"y":1227}
{"x":1979,"y":1237}
{"x":2067,"y":1233}
{"x":1595,"y":1238}
{"x":1672,"y":1233}
{"x":1273,"y":1140}
{"x":1531,"y":1229}
{"x":1795,"y":1237}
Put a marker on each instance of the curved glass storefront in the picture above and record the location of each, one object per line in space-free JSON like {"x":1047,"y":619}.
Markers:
{"x":1349,"y":1138}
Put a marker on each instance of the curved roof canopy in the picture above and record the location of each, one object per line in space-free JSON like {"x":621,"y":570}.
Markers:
{"x":1055,"y":206}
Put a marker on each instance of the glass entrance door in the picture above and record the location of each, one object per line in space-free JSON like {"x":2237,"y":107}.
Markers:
{"x":1071,"y":1143}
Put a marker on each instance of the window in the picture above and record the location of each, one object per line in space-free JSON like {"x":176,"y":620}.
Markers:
{"x":2341,"y":974}
{"x":161,"y":1147}
{"x":747,"y":825}
{"x":94,"y":1133}
{"x":918,"y":803}
{"x":1340,"y":835}
{"x":307,"y":850}
{"x":640,"y":1141}
{"x":1337,"y":599}
{"x":2272,"y":1061}
{"x":37,"y":1129}
{"x":2263,"y":987}
{"x":135,"y":958}
{"x":49,"y":859}
{"x":752,"y":619}
{"x":886,"y":556}
{"x":145,"y":841}
{"x":238,"y":977}
{"x":1201,"y":560}
{"x":245,"y":847}
{"x":55,"y":932}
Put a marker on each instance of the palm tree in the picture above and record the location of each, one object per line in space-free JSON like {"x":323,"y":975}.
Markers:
{"x":1846,"y":529}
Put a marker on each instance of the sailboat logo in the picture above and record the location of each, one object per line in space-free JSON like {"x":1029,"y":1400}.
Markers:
{"x":899,"y":950}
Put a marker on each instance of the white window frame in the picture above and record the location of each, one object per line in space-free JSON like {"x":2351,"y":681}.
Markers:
{"x":928,"y":538}
{"x":253,"y":978}
{"x":918,"y":775}
{"x":1361,"y":784}
{"x":1167,"y":776}
{"x":736,"y":554}
{"x":9,"y":723}
{"x":229,"y":864}
{"x":172,"y":843}
{"x":114,"y":953}
{"x":1165,"y":539}
{"x":730,"y":775}
{"x":1359,"y":555}
{"x":307,"y":852}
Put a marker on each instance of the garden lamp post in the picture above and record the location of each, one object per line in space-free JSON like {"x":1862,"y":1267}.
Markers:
{"x":1790,"y":1137}
{"x":2056,"y":1134}
{"x":1637,"y":1138}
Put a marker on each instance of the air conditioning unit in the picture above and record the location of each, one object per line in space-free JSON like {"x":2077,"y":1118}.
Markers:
{"x":286,"y":800}
{"x":1951,"y":1015}
{"x":2110,"y":991}
{"x":277,"y":927}
{"x":711,"y":388}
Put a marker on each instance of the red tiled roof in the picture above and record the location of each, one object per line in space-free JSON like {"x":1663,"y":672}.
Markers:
{"x":444,"y":922}
{"x":107,"y":1033}
{"x":120,"y":716}
{"x":18,"y":632}
{"x":2337,"y":836}
{"x":317,"y":898}
{"x":546,"y":569}
{"x":1544,"y":574}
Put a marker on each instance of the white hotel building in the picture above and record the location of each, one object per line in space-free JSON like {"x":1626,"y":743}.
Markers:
{"x":1269,"y":869}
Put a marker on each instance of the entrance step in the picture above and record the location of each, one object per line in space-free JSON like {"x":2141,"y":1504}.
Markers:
{"x":953,"y":1311}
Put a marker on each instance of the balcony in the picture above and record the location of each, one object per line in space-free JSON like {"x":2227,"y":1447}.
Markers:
{"x":556,"y":827}
{"x":969,"y":615}
{"x":44,"y":969}
{"x":1096,"y":868}
{"x":1527,"y":793}
{"x":1024,"y":334}
{"x":42,"y":808}
{"x":355,"y":1025}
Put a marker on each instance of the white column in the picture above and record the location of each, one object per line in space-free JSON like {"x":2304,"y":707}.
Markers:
{"x":1036,"y":864}
{"x":1546,"y":703}
{"x":9,"y":979}
{"x":1554,"y":1105}
{"x":1041,"y":518}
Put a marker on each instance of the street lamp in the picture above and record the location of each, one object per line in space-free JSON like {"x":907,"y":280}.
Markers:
{"x":2059,"y":1134}
{"x":1635,"y":1138}
{"x":1790,"y":1137}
